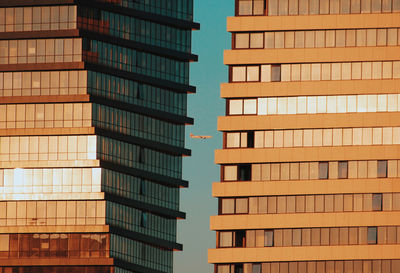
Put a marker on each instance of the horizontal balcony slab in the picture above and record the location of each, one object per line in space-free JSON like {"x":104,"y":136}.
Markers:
{"x":309,"y":88}
{"x":304,"y":220}
{"x":308,"y":121}
{"x":55,"y":229}
{"x":311,"y":55}
{"x":304,"y":154}
{"x":334,"y":21}
{"x":309,"y":253}
{"x":300,"y":187}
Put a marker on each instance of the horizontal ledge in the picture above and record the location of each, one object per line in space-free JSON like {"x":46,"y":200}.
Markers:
{"x":55,"y":229}
{"x":162,"y":211}
{"x":158,"y":178}
{"x":265,"y":155}
{"x":44,"y":99}
{"x":311,"y":55}
{"x":161,"y":51}
{"x":178,"y":87}
{"x":50,"y":164}
{"x":47,"y":131}
{"x":309,"y":88}
{"x":154,"y":241}
{"x":308,"y":121}
{"x":304,"y":220}
{"x":46,"y":34}
{"x":300,"y":187}
{"x":312,"y":22}
{"x":56,"y":262}
{"x":52,"y":196}
{"x":134,"y":267}
{"x":17,"y":3}
{"x":178,"y":119}
{"x":41,"y":66}
{"x":309,"y":253}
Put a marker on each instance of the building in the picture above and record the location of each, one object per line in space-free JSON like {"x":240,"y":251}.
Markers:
{"x":310,"y":160}
{"x":92,"y":116}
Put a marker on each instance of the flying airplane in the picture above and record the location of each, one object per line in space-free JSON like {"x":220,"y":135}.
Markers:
{"x":201,"y":137}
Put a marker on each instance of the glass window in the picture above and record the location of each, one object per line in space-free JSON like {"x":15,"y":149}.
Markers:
{"x":238,"y":73}
{"x":269,"y":238}
{"x":382,"y":168}
{"x":242,"y":40}
{"x":242,"y":205}
{"x":256,"y":40}
{"x":372,"y":235}
{"x":235,"y":107}
{"x":377,"y":202}
{"x":228,"y":206}
{"x":342,"y":169}
{"x":230,"y":173}
{"x":253,"y":74}
{"x":276,"y":73}
{"x":323,"y":170}
{"x":225,"y":239}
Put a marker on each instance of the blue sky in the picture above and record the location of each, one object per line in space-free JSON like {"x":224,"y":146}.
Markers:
{"x":205,"y":106}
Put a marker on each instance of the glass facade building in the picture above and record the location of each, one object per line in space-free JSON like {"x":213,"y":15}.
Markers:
{"x":310,"y":162}
{"x":92,"y":123}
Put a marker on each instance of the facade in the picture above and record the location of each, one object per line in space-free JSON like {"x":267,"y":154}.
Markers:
{"x":92,"y":116}
{"x":310,"y":160}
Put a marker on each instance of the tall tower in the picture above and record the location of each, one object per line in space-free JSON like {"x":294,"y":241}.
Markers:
{"x":92,"y":116}
{"x":310,"y":163}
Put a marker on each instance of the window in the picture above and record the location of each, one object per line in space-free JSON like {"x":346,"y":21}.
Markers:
{"x":382,"y":168}
{"x":323,"y":170}
{"x":256,"y":268}
{"x":250,"y":7}
{"x":377,"y":201}
{"x":244,"y":172}
{"x":230,"y":173}
{"x":225,"y":239}
{"x":276,"y":73}
{"x":143,"y":220}
{"x":240,"y":238}
{"x":269,"y":238}
{"x":372,"y":235}
{"x":342,"y":169}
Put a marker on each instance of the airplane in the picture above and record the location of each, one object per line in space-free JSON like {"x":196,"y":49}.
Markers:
{"x":202,"y":137}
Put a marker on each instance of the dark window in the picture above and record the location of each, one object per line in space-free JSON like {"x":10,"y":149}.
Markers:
{"x":256,"y":268}
{"x":143,"y":220}
{"x":269,"y":238}
{"x":342,"y":169}
{"x":377,"y":201}
{"x":244,"y":172}
{"x":240,"y":238}
{"x":372,"y":235}
{"x":250,"y":139}
{"x":238,"y":268}
{"x":276,"y":73}
{"x":323,"y":170}
{"x":143,"y":188}
{"x":382,"y":168}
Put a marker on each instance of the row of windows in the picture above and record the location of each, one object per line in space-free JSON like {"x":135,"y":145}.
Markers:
{"x":318,"y":38}
{"x":138,"y":125}
{"x":141,"y":254}
{"x":37,"y":18}
{"x":42,"y":83}
{"x":305,"y":7}
{"x":310,"y":203}
{"x":136,"y":93}
{"x":181,"y":9}
{"x":316,"y":72}
{"x":312,"y":170}
{"x":136,"y":156}
{"x":54,"y":245}
{"x":348,"y":266}
{"x":314,"y":137}
{"x":57,"y":269}
{"x":52,"y":213}
{"x":47,"y":148}
{"x":141,"y":222}
{"x":315,"y":105}
{"x":64,"y":180}
{"x":134,"y":29}
{"x":139,"y":189}
{"x":48,"y":115}
{"x":137,"y":62}
{"x":40,"y":51}
{"x":310,"y":237}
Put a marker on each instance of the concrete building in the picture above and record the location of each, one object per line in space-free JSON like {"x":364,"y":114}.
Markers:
{"x":92,"y":121}
{"x":310,"y":163}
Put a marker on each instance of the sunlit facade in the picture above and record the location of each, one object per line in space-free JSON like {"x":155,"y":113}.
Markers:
{"x":310,"y":163}
{"x":92,"y":123}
